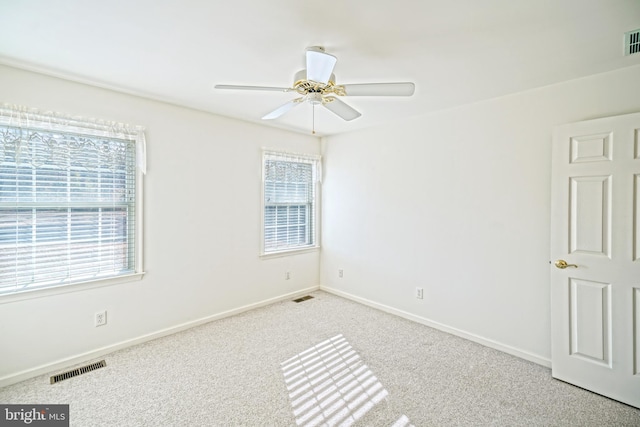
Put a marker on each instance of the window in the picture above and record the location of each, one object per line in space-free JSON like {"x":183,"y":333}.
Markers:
{"x":70,"y":201}
{"x":289,"y":187}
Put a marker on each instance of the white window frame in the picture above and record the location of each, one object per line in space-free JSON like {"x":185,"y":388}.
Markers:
{"x":90,"y":127}
{"x":312,"y":159}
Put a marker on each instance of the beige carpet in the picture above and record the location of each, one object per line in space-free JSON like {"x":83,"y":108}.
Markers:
{"x":325,"y":361}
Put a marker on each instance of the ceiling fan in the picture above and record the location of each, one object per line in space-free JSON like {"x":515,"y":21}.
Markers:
{"x":317,"y":86}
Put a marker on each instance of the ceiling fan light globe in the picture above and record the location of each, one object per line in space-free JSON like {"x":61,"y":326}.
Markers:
{"x":314,"y":98}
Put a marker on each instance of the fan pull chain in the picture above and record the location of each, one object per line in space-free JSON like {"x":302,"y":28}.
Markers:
{"x":313,"y":119}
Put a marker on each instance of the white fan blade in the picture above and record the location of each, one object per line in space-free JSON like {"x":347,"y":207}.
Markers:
{"x":269,"y":88}
{"x":319,"y":65}
{"x":340,"y":109}
{"x":380,"y":89}
{"x":283,"y":109}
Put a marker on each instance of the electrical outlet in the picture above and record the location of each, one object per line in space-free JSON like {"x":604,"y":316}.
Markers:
{"x":340,"y":273}
{"x":101,"y":318}
{"x":419,"y":293}
{"x":287,"y":275}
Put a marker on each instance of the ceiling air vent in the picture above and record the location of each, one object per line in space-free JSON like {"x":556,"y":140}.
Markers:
{"x":632,"y":42}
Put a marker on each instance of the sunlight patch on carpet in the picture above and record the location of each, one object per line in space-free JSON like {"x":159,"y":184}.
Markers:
{"x":328,"y":384}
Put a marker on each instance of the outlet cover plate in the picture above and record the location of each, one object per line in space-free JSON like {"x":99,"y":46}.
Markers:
{"x":101,"y":318}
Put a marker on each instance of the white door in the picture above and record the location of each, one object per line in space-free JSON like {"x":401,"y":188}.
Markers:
{"x":595,"y":249}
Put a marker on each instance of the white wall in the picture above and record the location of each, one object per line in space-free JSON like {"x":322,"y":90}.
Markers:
{"x":458,"y":202}
{"x":202,"y":219}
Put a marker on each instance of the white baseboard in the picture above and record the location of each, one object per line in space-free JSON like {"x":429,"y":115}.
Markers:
{"x":94,"y":354}
{"x":435,"y":325}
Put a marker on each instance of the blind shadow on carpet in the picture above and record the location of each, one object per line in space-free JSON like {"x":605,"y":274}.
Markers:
{"x":329,"y":384}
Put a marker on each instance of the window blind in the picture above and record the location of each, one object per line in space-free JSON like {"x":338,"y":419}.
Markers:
{"x":67,"y":207}
{"x":289,"y":201}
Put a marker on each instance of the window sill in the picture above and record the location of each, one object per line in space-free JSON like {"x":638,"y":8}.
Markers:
{"x":288,"y":252}
{"x":72,"y":287}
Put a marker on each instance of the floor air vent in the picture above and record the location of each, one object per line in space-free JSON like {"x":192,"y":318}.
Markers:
{"x":304,"y":298}
{"x":632,"y":42}
{"x":78,"y":371}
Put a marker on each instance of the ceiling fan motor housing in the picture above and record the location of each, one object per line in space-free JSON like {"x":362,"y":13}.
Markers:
{"x":314,"y":91}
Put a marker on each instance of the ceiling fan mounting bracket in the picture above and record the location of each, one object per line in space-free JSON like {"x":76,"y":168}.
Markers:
{"x":316,"y":49}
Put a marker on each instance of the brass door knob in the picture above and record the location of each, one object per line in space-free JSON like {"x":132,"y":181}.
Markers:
{"x":563,"y":264}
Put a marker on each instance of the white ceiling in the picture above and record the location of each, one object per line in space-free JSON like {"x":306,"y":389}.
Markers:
{"x":456,"y":51}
